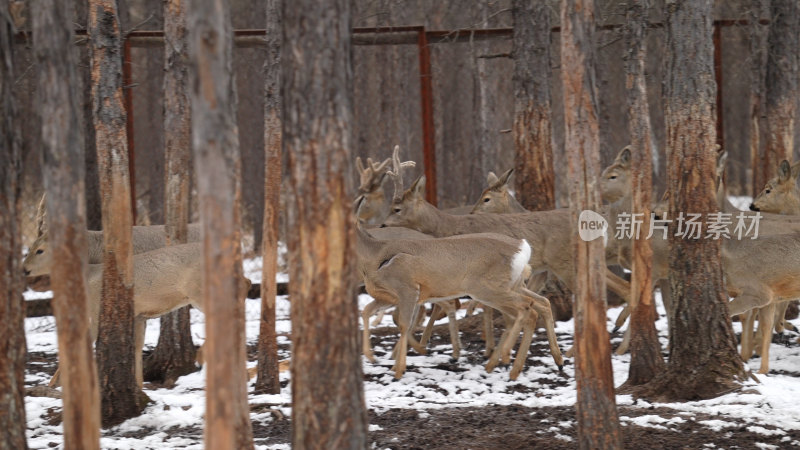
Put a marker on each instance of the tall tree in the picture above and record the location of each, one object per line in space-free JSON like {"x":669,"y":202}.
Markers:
{"x":267,"y":380}
{"x":758,"y":75}
{"x":119,"y":391}
{"x":63,"y":173}
{"x":328,"y":409}
{"x":646,"y":359}
{"x":533,"y":140}
{"x":701,"y":338}
{"x":12,"y":305}
{"x":174,"y":355}
{"x":782,"y":72}
{"x":598,"y":426}
{"x":216,"y":147}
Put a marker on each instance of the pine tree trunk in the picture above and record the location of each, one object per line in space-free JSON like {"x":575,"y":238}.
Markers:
{"x":216,"y":149}
{"x":758,"y":74}
{"x":701,"y":338}
{"x":646,"y":360}
{"x":598,"y":426}
{"x":267,"y":381}
{"x":533,"y":141}
{"x":174,"y":355}
{"x":119,"y":391}
{"x":63,"y":172}
{"x":782,"y":92}
{"x":12,"y":305}
{"x":328,"y":409}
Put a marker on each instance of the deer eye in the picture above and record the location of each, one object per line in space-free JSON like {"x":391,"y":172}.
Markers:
{"x":39,"y":252}
{"x":612,"y":177}
{"x":767,"y":191}
{"x":486,"y":200}
{"x":396,"y":210}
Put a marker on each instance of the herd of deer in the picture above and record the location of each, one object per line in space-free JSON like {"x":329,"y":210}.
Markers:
{"x":497,"y":253}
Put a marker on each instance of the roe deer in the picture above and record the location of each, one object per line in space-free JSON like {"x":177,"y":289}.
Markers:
{"x":497,"y":197}
{"x":781,"y":194}
{"x":164,"y":280}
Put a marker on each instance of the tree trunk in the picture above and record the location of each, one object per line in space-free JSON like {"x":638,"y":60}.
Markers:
{"x":216,"y":147}
{"x":174,"y":355}
{"x":120,"y":393}
{"x":758,"y":75}
{"x":328,"y":408}
{"x":598,"y":426}
{"x":62,"y":144}
{"x":12,"y":305}
{"x":782,"y":93}
{"x":533,"y":142}
{"x":701,"y":338}
{"x":267,"y":381}
{"x":646,"y":359}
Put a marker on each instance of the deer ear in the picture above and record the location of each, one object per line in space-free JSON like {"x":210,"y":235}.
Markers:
{"x":418,"y":188}
{"x":784,"y":171}
{"x":491,"y":179}
{"x":505,"y":176}
{"x":795,"y":170}
{"x":359,"y":164}
{"x":41,"y":217}
{"x":624,"y":156}
{"x":722,"y":160}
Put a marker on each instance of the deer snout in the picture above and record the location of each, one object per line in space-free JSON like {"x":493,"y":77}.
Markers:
{"x":753,"y":207}
{"x":383,"y":225}
{"x":27,"y":272}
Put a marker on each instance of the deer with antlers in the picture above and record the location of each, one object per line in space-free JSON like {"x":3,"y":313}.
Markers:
{"x":487,"y":267}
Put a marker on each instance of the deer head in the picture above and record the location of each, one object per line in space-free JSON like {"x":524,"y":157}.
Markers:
{"x":780,"y":195}
{"x":497,"y":197}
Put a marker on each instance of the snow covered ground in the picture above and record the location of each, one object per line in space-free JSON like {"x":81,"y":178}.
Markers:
{"x":175,"y":418}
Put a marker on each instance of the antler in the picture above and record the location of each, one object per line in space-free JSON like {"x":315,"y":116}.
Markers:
{"x":397,"y":173}
{"x":370,"y":175}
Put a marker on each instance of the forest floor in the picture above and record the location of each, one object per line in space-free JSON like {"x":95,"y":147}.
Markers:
{"x":445,"y":404}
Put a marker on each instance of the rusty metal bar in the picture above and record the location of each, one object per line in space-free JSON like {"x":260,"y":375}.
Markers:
{"x":428,"y":133}
{"x":127,"y":89}
{"x":718,"y":76}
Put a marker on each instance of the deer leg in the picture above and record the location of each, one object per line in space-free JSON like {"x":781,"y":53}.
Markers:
{"x":139,"y":326}
{"x":626,"y":342}
{"x":510,"y":337}
{"x":366,"y":345}
{"x":528,"y":329}
{"x":505,"y":358}
{"x":618,"y":285}
{"x":766,"y":319}
{"x":621,"y":318}
{"x":426,"y":335}
{"x":747,"y":320}
{"x":541,"y":305}
{"x":452,"y":326}
{"x":407,"y":309}
{"x":378,"y":318}
{"x":488,"y":329}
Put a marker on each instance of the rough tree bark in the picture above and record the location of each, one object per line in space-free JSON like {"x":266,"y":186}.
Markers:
{"x":174,"y":355}
{"x":646,"y":359}
{"x":120,"y":394}
{"x":701,"y":338}
{"x":598,"y":426}
{"x":267,"y":381}
{"x":215,"y":140}
{"x":533,"y":142}
{"x":534,"y":174}
{"x":758,"y":75}
{"x":12,"y":305}
{"x":782,"y":92}
{"x":328,"y":408}
{"x":63,"y":173}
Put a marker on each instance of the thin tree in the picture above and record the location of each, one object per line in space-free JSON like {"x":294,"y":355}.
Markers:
{"x":12,"y":305}
{"x":268,"y":381}
{"x":533,"y":141}
{"x":782,"y":72}
{"x":216,"y":147}
{"x":174,"y":355}
{"x":598,"y":426}
{"x":758,"y":73}
{"x":62,"y":146}
{"x":119,"y":392}
{"x":646,"y":360}
{"x":328,"y":408}
{"x":702,"y":342}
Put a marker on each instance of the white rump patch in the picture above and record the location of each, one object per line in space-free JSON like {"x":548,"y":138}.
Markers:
{"x":520,"y":260}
